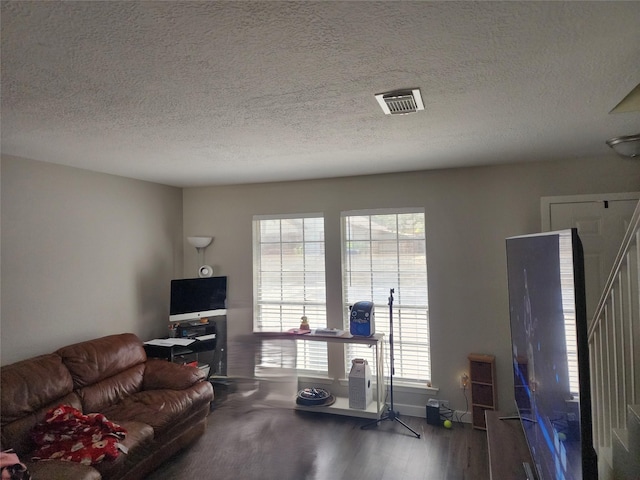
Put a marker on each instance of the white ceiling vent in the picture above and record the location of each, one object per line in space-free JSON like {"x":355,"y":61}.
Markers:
{"x":400,"y":102}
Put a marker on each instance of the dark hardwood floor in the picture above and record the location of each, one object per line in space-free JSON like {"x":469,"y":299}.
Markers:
{"x":250,"y":440}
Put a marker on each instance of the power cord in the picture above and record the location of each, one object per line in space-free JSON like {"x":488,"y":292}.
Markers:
{"x":447,"y":413}
{"x":466,"y":407}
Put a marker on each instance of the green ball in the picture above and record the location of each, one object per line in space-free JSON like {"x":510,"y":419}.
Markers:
{"x":447,"y":424}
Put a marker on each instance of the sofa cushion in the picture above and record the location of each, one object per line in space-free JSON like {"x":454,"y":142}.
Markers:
{"x":28,"y":389}
{"x":70,"y":435}
{"x":110,"y":391}
{"x":31,"y":384}
{"x":161,"y":374}
{"x":94,"y":360}
{"x":161,"y":408}
{"x":138,"y":441}
{"x":17,"y":434}
{"x":57,"y":470}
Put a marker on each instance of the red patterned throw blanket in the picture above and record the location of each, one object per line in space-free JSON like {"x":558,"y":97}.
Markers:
{"x":67,"y":434}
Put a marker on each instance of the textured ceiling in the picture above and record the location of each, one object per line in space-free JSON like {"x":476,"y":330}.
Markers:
{"x":211,"y":93}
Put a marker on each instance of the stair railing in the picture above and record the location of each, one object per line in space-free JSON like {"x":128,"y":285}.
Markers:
{"x":614,"y":343}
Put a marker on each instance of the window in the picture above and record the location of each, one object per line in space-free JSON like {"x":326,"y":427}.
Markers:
{"x":289,"y":280}
{"x":384,"y":250}
{"x":567,"y":287}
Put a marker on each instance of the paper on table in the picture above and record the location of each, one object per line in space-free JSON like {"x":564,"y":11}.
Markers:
{"x":328,"y":332}
{"x":210,"y":336}
{"x":170,"y":342}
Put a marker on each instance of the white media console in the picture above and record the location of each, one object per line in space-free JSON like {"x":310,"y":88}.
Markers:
{"x":341,"y":405}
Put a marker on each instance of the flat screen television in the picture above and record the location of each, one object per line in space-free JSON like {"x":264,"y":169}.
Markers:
{"x":196,"y":298}
{"x":547,"y":308}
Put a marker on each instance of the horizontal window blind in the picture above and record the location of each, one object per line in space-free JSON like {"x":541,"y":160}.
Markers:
{"x":569,"y":310}
{"x":384,"y":251}
{"x":289,"y":281}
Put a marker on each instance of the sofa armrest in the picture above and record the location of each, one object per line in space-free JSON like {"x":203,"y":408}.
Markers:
{"x":161,"y":374}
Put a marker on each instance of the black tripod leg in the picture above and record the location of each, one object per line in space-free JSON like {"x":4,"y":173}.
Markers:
{"x":375,"y":422}
{"x":407,"y":427}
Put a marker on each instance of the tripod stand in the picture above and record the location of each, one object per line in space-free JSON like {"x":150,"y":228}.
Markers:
{"x":391,"y":413}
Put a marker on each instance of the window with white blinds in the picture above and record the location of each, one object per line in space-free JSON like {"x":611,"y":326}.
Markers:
{"x":384,"y":250}
{"x":567,"y":287}
{"x":289,"y":280}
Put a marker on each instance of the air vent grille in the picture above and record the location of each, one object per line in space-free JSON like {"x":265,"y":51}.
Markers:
{"x":400,"y":102}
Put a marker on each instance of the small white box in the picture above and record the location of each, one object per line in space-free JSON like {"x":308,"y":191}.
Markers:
{"x":360,"y":391}
{"x":204,"y":367}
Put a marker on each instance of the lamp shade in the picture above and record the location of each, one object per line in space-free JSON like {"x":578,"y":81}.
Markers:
{"x":199,"y":242}
{"x":627,"y":146}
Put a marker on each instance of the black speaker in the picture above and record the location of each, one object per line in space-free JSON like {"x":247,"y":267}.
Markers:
{"x":433,"y":415}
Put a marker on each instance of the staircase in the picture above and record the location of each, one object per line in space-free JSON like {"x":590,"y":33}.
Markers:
{"x":614,"y":348}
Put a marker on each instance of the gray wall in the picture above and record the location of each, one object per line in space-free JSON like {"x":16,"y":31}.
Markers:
{"x":87,"y":254}
{"x":469,"y":213}
{"x":83,"y":255}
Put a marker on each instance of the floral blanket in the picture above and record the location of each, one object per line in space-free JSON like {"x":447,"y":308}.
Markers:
{"x":67,"y":434}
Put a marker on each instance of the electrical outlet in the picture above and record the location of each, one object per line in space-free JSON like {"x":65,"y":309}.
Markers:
{"x":444,"y":404}
{"x":464,"y":381}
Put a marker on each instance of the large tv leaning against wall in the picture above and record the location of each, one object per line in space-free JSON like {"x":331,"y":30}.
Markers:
{"x":547,"y":309}
{"x":196,"y":298}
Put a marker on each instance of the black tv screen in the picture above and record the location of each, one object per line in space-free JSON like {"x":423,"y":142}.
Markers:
{"x":547,"y":309}
{"x":193,"y":298}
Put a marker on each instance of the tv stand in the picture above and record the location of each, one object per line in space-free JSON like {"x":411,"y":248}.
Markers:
{"x":173,"y":353}
{"x":508,"y":450}
{"x":203,"y":341}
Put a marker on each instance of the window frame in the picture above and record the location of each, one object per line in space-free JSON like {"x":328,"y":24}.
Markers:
{"x":312,"y":357}
{"x":414,"y":348}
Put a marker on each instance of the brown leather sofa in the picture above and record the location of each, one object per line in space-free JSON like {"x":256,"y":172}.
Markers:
{"x":162,"y":405}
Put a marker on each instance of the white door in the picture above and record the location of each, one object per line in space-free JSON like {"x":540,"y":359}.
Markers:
{"x":602,"y":221}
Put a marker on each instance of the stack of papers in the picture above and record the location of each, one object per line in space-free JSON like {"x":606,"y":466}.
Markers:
{"x":170,"y":342}
{"x":330,"y":332}
{"x":206,"y":337}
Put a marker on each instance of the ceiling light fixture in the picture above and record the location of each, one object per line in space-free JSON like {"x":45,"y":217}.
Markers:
{"x":627,"y":146}
{"x":400,"y":102}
